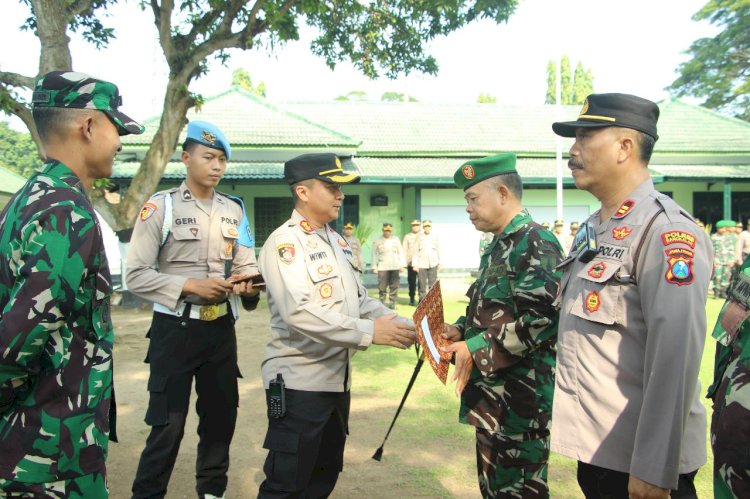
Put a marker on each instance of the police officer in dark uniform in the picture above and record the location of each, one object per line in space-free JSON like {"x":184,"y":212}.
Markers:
{"x":189,"y":246}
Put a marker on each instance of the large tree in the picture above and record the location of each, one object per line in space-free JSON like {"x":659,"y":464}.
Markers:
{"x":719,"y":70}
{"x":17,"y":151}
{"x":379,"y":38}
{"x":573,"y":88}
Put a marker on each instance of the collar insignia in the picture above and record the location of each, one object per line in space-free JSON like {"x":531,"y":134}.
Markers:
{"x":621,"y":233}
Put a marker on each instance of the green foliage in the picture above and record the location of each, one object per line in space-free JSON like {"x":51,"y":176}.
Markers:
{"x":17,"y":151}
{"x":719,"y":71}
{"x":485,"y":98}
{"x":87,"y":20}
{"x":241,"y":79}
{"x":397,"y":97}
{"x":573,"y":89}
{"x":354,"y":95}
{"x":363,"y":233}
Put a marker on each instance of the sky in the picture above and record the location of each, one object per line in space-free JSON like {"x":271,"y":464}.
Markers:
{"x":631,"y":47}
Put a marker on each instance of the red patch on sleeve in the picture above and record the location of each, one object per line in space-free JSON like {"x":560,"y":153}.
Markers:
{"x":678,"y":236}
{"x":679,"y":266}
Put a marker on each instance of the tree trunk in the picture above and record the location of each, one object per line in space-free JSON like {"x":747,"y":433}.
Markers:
{"x":177,"y":101}
{"x":52,"y":21}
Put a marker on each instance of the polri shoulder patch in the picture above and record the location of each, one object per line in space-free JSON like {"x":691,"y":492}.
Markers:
{"x":147,"y":210}
{"x":285,"y":252}
{"x":678,"y":236}
{"x":679,"y":266}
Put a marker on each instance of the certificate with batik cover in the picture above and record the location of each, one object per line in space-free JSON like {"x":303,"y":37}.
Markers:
{"x":429,"y":320}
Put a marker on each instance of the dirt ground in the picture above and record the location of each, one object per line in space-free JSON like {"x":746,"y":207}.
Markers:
{"x":404,"y":472}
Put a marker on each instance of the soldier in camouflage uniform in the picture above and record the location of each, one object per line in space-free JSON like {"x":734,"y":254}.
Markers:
{"x":505,"y":346}
{"x":725,"y":245}
{"x":56,"y":337}
{"x":730,"y":391}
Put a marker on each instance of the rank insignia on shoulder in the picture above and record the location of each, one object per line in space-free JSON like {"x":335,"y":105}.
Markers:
{"x":186,"y":195}
{"x":147,"y":210}
{"x":597,"y":270}
{"x":285,"y":252}
{"x":326,"y":290}
{"x":679,"y":266}
{"x":624,"y":208}
{"x":592,"y":301}
{"x":343,"y":243}
{"x":621,"y":233}
{"x":305,"y":226}
{"x":678,"y":236}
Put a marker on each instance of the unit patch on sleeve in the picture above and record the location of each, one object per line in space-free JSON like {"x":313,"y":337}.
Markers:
{"x":592,"y":301}
{"x":147,"y":210}
{"x":285,"y":252}
{"x":679,"y":266}
{"x":621,"y":233}
{"x":624,"y":208}
{"x":678,"y":236}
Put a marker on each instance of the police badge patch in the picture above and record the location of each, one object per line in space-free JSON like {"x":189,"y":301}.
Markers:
{"x":285,"y":252}
{"x":592,"y":301}
{"x":679,"y":266}
{"x":147,"y":210}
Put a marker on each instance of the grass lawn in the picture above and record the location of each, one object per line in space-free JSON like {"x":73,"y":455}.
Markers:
{"x":429,"y":418}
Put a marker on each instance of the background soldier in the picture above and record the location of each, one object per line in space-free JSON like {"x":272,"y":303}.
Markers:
{"x":56,"y":338}
{"x":427,"y":260}
{"x":187,"y":243}
{"x":730,"y":424}
{"x":410,"y":250}
{"x":388,"y":261}
{"x":505,"y":345}
{"x":725,"y":254}
{"x":320,"y":316}
{"x":632,"y":316}
{"x":355,"y":246}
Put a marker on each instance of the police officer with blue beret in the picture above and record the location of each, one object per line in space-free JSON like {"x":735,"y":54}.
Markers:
{"x":190,"y":245}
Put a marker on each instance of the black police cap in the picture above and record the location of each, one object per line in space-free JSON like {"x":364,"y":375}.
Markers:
{"x":321,"y":166}
{"x":603,"y":110}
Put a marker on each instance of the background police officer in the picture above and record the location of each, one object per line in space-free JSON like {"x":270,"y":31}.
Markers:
{"x":388,"y":260}
{"x":427,"y":259}
{"x":410,"y":251}
{"x":632,"y":317}
{"x":320,"y":316}
{"x":355,"y":245}
{"x":186,"y":244}
{"x":56,"y":336}
{"x":505,"y":345}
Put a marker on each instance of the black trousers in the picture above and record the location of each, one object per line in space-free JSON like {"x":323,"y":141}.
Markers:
{"x":306,"y":446}
{"x":182,"y":349}
{"x":411,"y":278}
{"x":601,"y":483}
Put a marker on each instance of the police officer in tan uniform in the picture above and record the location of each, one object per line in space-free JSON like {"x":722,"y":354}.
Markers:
{"x":388,"y":259}
{"x":186,"y":243}
{"x":355,"y":245}
{"x":632,"y":318}
{"x":410,"y":250}
{"x":427,"y":260}
{"x":320,"y":316}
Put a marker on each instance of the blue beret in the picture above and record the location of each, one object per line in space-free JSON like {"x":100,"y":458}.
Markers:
{"x":209,"y":135}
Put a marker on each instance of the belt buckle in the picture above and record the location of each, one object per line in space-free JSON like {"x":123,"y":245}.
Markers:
{"x":209,"y":312}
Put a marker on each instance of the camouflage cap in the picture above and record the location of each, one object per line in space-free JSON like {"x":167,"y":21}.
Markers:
{"x":72,"y":90}
{"x":474,"y":171}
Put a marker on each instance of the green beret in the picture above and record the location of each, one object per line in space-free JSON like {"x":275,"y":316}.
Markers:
{"x":724,"y":223}
{"x":474,"y":171}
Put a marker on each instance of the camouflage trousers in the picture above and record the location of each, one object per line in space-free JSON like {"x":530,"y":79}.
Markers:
{"x":510,"y":468}
{"x":93,"y":486}
{"x":721,"y":278}
{"x":730,"y":431}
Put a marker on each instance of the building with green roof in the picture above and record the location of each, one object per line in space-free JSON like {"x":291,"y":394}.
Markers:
{"x":10,"y":183}
{"x":407,"y":154}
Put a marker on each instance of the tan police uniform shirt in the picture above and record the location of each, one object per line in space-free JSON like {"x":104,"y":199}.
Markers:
{"x":627,"y":395}
{"x":388,"y":254}
{"x":410,"y":247}
{"x":356,"y":248}
{"x":428,"y":251}
{"x":199,"y":246}
{"x":320,"y":312}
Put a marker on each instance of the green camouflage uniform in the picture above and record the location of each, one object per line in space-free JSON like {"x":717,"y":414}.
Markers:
{"x":724,"y":256}
{"x":56,"y":340}
{"x":730,"y":391}
{"x":510,"y":329}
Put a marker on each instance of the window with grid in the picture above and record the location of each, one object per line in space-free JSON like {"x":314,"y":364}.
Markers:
{"x":269,"y":214}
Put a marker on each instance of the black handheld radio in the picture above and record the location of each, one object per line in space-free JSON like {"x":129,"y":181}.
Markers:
{"x":276,"y":398}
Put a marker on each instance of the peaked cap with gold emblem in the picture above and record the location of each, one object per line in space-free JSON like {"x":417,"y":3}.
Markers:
{"x":209,"y":135}
{"x":622,"y":110}
{"x":322,"y":166}
{"x":474,"y":171}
